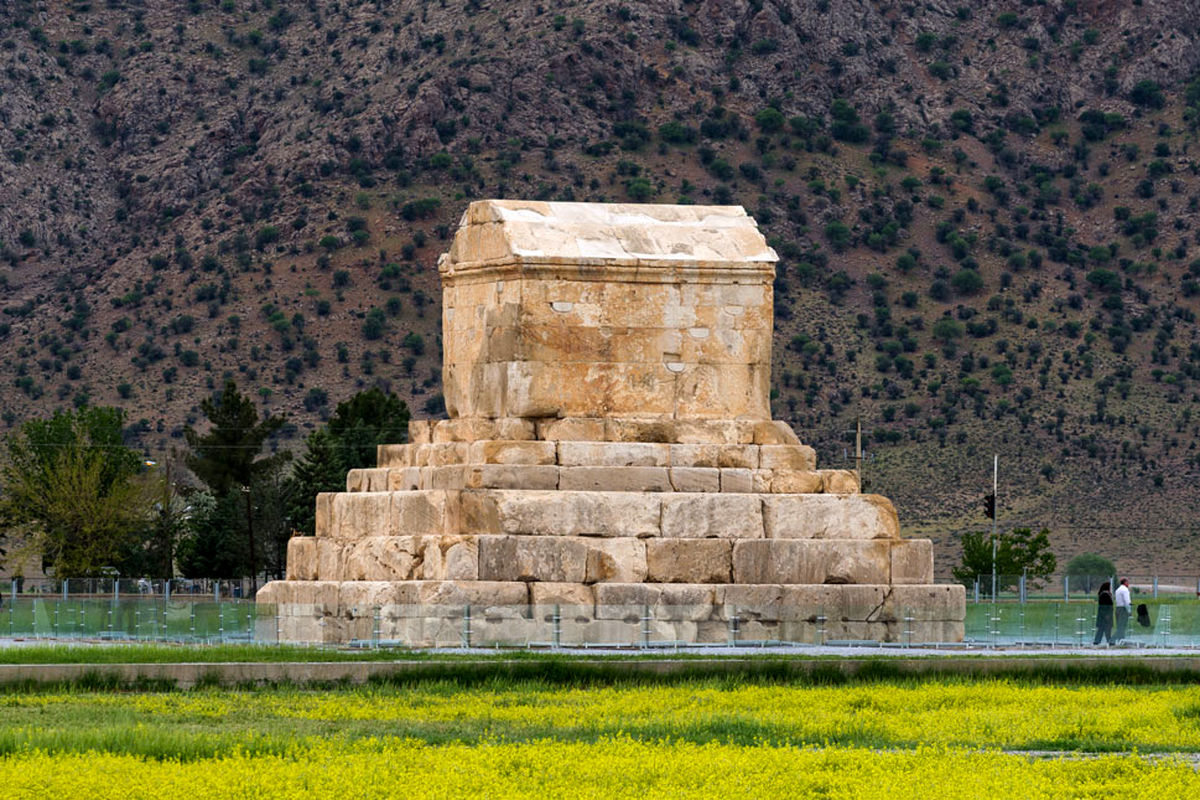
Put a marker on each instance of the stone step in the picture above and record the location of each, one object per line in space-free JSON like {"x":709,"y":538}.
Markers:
{"x":663,"y":429}
{"x":348,"y":516}
{"x":626,"y":559}
{"x":590,"y":453}
{"x":781,"y":480}
{"x":429,"y":613}
{"x":679,"y":515}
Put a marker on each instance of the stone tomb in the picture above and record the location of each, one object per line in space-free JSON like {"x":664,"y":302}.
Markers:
{"x":610,"y":472}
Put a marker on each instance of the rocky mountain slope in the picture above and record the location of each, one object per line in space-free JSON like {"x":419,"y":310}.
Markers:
{"x":987,"y":215}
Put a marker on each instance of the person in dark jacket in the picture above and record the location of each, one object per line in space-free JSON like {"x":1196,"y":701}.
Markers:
{"x":1104,"y":614}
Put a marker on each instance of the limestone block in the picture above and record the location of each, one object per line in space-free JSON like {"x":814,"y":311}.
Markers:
{"x":420,"y":431}
{"x":572,"y":598}
{"x":303,"y":597}
{"x":833,"y":601}
{"x":491,"y":597}
{"x":449,"y":478}
{"x":511,"y":476}
{"x":324,"y":514}
{"x":532,"y":558}
{"x":632,"y":429}
{"x":776,"y":432}
{"x":377,"y":480}
{"x":712,"y":516}
{"x":330,"y":559}
{"x":383,"y":558}
{"x":463,"y":429}
{"x":760,"y":480}
{"x":359,"y":600}
{"x":616,"y":600}
{"x":302,"y":558}
{"x":614,"y":479}
{"x":562,"y":341}
{"x":394,"y":455}
{"x":754,"y":630}
{"x":407,"y":479}
{"x":461,"y":560}
{"x":575,"y":389}
{"x":695,"y":455}
{"x":614,"y":454}
{"x":928,"y":602}
{"x":790,"y":561}
{"x":737,"y":480}
{"x":561,"y":513}
{"x":712,"y":632}
{"x":506,"y":632}
{"x":714,"y":431}
{"x":790,"y":481}
{"x":748,"y":600}
{"x":737,"y":456}
{"x":685,"y":602}
{"x":830,"y":516}
{"x":614,"y":632}
{"x":787,"y":456}
{"x":695,"y":479}
{"x":912,"y":562}
{"x":360,"y":514}
{"x":571,"y":429}
{"x":704,"y":345}
{"x":419,"y":513}
{"x":443,"y":454}
{"x":688,"y":560}
{"x":513,"y":452}
{"x":840,"y":481}
{"x":619,"y":560}
{"x":723,"y":391}
{"x":629,"y":601}
{"x":356,"y":480}
{"x":419,"y":455}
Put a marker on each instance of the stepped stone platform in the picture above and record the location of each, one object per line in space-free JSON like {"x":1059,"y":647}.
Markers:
{"x":610,"y":472}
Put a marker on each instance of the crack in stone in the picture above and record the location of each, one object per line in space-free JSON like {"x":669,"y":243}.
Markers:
{"x":886,"y":596}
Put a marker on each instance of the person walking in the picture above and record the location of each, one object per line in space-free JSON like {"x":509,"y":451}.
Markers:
{"x":1124,"y":608}
{"x":1104,"y":614}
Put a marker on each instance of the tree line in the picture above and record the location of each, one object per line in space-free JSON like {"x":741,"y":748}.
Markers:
{"x":74,"y":494}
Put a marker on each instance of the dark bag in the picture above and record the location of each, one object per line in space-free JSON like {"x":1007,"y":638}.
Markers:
{"x":1143,"y":615}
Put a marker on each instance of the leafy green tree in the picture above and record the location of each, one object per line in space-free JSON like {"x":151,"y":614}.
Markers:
{"x":1088,"y":570}
{"x":229,"y":459}
{"x":1019,"y":551}
{"x":71,"y":484}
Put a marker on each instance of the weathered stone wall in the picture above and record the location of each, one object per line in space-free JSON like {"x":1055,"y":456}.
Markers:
{"x":609,"y":471}
{"x":564,"y":309}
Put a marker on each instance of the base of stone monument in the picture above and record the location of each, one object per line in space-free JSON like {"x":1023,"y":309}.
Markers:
{"x":522,"y":614}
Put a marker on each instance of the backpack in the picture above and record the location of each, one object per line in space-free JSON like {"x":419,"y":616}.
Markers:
{"x":1143,"y":615}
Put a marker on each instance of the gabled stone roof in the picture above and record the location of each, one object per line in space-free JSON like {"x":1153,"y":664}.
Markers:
{"x":496,"y":232}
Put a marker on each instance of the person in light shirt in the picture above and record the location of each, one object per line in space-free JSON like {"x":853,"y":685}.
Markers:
{"x":1123,"y":608}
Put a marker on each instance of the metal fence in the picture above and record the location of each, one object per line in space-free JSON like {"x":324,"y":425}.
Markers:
{"x":1061,"y":613}
{"x":195,"y":611}
{"x":1064,"y":611}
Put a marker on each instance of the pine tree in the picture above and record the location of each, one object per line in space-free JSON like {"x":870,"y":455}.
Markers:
{"x":320,"y":470}
{"x":229,"y":457}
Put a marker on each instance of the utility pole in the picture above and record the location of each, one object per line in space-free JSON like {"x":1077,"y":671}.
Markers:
{"x":995,"y":477}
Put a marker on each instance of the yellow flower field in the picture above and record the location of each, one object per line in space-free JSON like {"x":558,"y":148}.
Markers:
{"x":935,"y":739}
{"x":604,"y":769}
